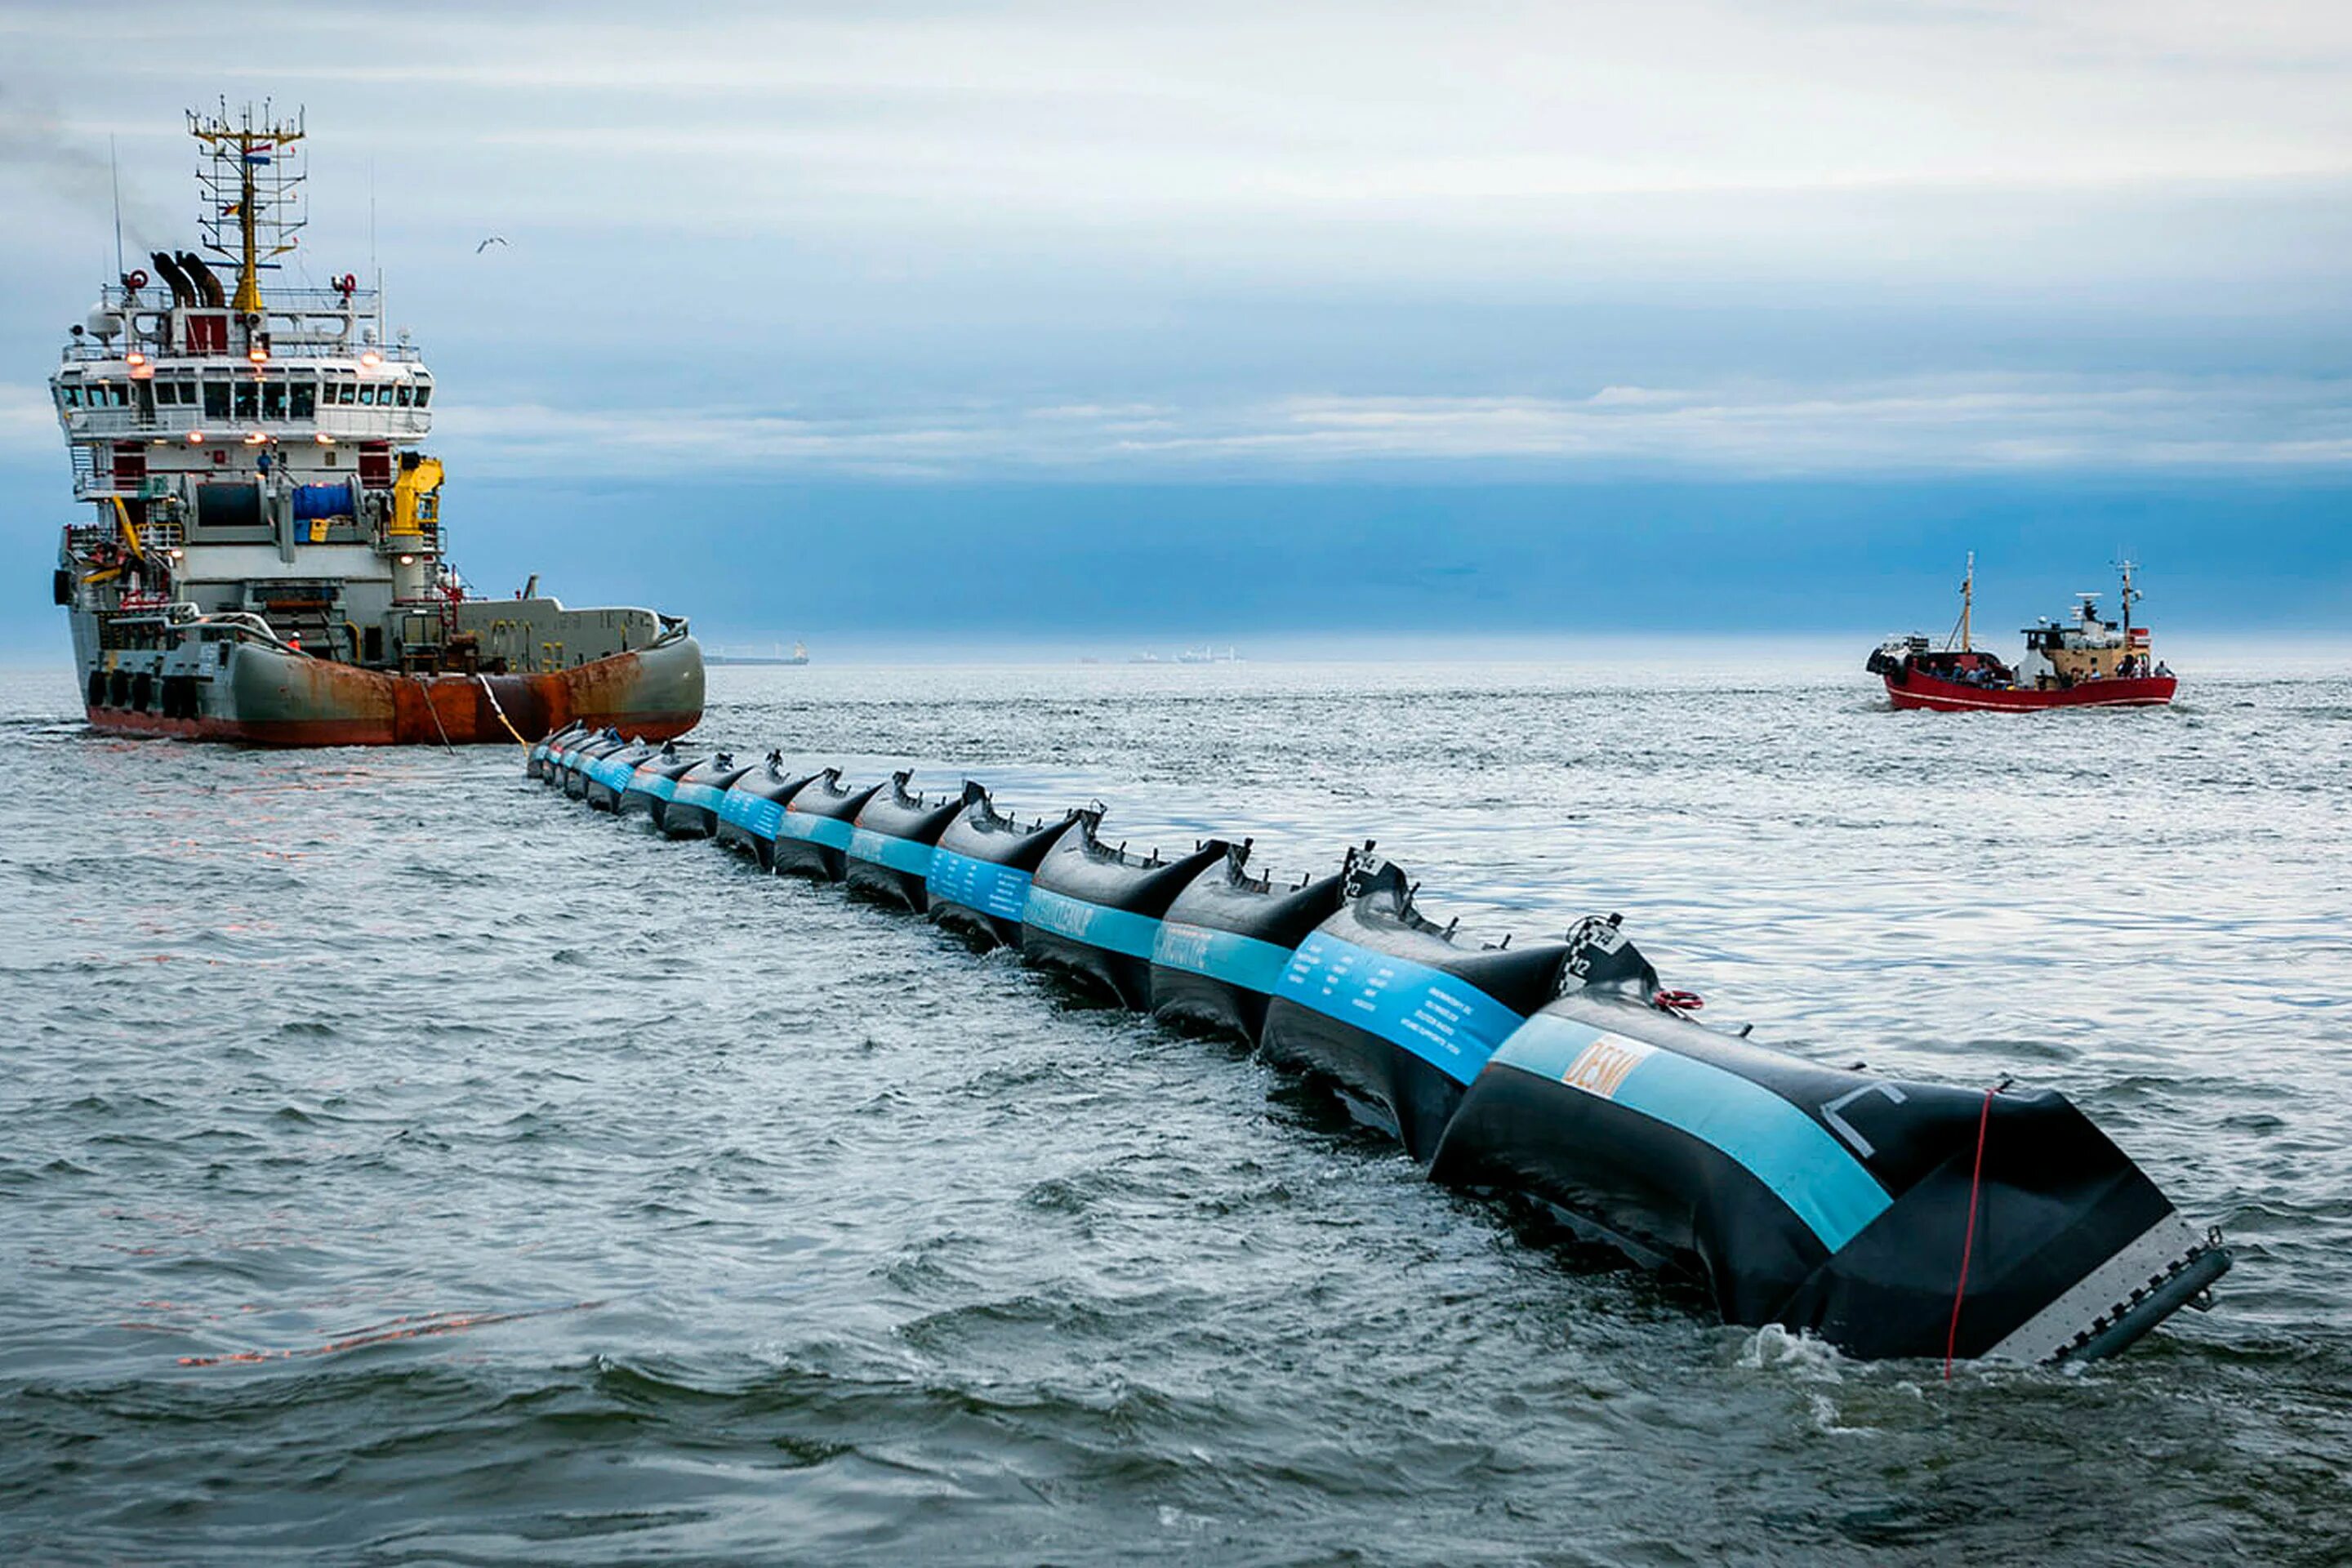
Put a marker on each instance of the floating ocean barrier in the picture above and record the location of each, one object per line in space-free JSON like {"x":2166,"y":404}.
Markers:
{"x":893,"y":840}
{"x":1225,"y":940}
{"x":1391,"y":1008}
{"x":655,"y":783}
{"x":561,"y":751}
{"x":1816,"y":1198}
{"x":753,"y":809}
{"x":812,"y":835}
{"x":547,"y":746}
{"x":1891,"y":1218}
{"x":979,"y":881}
{"x":609,"y":774}
{"x":1094,"y":912}
{"x":694,"y":800}
{"x":581,"y":759}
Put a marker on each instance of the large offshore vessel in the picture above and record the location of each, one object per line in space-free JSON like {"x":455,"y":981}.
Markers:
{"x":267,"y":561}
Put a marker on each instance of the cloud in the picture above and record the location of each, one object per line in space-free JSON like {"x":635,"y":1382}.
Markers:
{"x":1925,"y":425}
{"x":28,"y":426}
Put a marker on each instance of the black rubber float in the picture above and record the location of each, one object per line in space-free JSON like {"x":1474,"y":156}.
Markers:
{"x":1093,"y":910}
{"x":655,"y":783}
{"x":1226,"y":939}
{"x":812,"y":835}
{"x":605,"y":778}
{"x":893,"y":840}
{"x":754,"y":807}
{"x":1400,"y":1018}
{"x":700,"y":790}
{"x":1819,"y":1198}
{"x":979,"y":881}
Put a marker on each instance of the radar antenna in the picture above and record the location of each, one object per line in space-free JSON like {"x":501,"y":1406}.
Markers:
{"x":252,"y":184}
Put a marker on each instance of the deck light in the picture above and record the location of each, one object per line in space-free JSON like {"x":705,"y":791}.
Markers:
{"x":255,"y":439}
{"x":408,"y":561}
{"x":371,"y":359}
{"x":195,"y":438}
{"x":322,"y":437}
{"x":258,"y":354}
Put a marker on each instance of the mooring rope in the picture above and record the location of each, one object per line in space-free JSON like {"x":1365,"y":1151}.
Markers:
{"x":502,"y":712}
{"x":427,"y":691}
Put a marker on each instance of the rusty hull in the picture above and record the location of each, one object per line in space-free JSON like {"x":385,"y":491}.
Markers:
{"x":272,"y":697}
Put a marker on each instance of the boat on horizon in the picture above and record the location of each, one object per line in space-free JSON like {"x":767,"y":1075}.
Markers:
{"x":800,"y":655}
{"x":266,"y":561}
{"x":2082,"y":662}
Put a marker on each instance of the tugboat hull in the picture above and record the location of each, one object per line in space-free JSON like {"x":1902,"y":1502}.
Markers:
{"x":269,"y":696}
{"x":1917,"y":689}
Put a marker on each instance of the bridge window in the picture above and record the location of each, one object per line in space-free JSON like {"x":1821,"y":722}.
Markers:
{"x":215,"y":398}
{"x":423,"y":394}
{"x":303,"y":398}
{"x":248,"y":399}
{"x":273,"y":399}
{"x":401,"y":395}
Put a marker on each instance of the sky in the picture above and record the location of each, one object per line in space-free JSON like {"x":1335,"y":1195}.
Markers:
{"x":1046,"y":321}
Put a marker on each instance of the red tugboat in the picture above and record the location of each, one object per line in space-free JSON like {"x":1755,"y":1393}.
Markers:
{"x":2084,"y":663}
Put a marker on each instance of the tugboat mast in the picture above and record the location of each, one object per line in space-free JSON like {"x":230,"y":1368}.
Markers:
{"x":1961,"y":633}
{"x":238,"y":187}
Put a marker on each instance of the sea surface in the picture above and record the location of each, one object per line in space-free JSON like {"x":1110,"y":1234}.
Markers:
{"x":403,"y":1164}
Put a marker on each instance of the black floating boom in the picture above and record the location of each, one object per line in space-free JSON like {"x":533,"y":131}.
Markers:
{"x":1891,"y":1218}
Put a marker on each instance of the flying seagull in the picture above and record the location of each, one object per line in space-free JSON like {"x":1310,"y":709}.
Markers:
{"x":494,"y":239}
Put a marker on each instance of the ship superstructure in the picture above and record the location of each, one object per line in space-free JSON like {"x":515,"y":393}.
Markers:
{"x":264,"y":556}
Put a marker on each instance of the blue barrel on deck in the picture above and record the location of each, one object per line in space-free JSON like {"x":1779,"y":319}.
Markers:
{"x":314,"y":501}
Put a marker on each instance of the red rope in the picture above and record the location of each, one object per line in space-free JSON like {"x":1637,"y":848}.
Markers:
{"x":1969,"y":1242}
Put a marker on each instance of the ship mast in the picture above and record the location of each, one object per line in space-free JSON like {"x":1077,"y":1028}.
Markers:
{"x":1967,"y":602}
{"x":254,"y":178}
{"x":2130,"y":593}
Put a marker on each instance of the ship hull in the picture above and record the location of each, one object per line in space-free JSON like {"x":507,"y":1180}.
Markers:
{"x":1916,"y":690}
{"x":263,"y":695}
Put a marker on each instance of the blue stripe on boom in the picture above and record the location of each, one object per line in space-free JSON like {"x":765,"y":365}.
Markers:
{"x":1794,"y":1155}
{"x":1244,"y":961}
{"x":830,"y":831}
{"x":981,"y":885}
{"x":654,"y":784}
{"x":709,"y":797}
{"x":1448,"y":1023}
{"x":888,"y":849}
{"x":755,"y":815}
{"x":1096,"y":925}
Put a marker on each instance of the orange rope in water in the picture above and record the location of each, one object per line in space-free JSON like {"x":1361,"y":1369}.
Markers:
{"x":1967,"y":1242}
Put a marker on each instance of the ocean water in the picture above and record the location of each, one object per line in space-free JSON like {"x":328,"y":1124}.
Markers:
{"x":405,"y":1165}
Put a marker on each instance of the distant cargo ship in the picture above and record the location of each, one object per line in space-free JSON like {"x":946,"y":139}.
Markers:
{"x":799,"y":655}
{"x":2085,"y":662}
{"x":267,"y":562}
